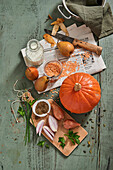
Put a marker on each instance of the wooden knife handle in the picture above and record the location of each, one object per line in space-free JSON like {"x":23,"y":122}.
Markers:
{"x":88,"y":46}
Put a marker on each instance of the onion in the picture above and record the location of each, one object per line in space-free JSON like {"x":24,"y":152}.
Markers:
{"x":53,"y":123}
{"x":48,"y":132}
{"x":39,"y":127}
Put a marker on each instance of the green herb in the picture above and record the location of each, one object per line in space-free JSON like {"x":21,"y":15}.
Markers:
{"x":62,"y":140}
{"x":21,"y":111}
{"x":73,"y":137}
{"x":41,"y":143}
{"x":26,"y":112}
{"x":47,"y":146}
{"x":32,"y":102}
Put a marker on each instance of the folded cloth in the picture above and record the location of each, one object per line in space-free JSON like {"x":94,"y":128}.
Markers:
{"x":98,"y":18}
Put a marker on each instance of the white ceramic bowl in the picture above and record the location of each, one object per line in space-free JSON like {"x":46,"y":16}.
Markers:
{"x":35,"y":104}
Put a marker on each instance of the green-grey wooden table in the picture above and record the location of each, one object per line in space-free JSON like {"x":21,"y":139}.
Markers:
{"x":19,"y":22}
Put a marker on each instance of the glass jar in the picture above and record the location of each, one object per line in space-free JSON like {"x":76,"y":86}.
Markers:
{"x":53,"y":70}
{"x":34,"y":53}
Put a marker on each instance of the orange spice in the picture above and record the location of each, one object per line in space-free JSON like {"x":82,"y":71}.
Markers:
{"x":53,"y":69}
{"x":68,"y":68}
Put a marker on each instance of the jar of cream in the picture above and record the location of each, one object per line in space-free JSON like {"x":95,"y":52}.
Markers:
{"x":34,"y":53}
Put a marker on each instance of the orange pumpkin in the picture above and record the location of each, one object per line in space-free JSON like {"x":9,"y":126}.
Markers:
{"x":80,"y":93}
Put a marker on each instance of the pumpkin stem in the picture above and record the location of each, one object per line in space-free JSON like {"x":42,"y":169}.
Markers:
{"x":77,"y":87}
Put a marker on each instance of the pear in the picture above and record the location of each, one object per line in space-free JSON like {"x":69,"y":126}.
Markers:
{"x":41,"y":83}
{"x":66,"y":48}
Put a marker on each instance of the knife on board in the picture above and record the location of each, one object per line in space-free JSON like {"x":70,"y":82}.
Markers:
{"x":75,"y":42}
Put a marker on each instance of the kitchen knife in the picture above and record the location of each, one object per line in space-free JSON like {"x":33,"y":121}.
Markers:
{"x":75,"y":42}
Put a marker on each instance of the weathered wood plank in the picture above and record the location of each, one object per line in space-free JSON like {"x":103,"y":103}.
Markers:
{"x":105,"y":160}
{"x":106,"y":121}
{"x":19,"y":22}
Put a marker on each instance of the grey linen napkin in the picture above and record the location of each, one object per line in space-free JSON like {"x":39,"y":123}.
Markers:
{"x":98,"y":18}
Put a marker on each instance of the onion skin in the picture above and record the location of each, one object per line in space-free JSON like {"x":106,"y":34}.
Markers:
{"x":70,"y":124}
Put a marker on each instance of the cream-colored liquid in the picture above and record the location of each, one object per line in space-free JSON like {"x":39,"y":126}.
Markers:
{"x":35,"y":57}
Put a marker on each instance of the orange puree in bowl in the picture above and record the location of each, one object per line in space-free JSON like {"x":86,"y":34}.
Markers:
{"x":53,"y":69}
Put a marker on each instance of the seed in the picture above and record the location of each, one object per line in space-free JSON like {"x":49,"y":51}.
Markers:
{"x":92,"y":127}
{"x":93,"y":138}
{"x":90,"y":119}
{"x":95,"y":111}
{"x":90,"y":151}
{"x":85,"y":126}
{"x":88,"y":143}
{"x":84,"y":151}
{"x":83,"y":145}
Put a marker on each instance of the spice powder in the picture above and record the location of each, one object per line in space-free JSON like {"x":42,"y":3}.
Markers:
{"x":41,"y":108}
{"x":53,"y":69}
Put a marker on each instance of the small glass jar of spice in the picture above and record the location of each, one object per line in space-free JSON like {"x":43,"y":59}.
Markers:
{"x":34,"y":53}
{"x":53,"y":70}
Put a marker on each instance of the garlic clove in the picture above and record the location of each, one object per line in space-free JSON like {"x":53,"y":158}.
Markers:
{"x":53,"y":123}
{"x":48,"y":132}
{"x":39,"y":127}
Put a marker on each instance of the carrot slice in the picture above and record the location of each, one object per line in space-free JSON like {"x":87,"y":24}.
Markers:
{"x":49,"y":39}
{"x":59,"y":20}
{"x":63,"y":28}
{"x":55,"y":29}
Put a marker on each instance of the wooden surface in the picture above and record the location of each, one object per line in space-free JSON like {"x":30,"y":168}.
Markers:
{"x":19,"y":22}
{"x":69,"y":147}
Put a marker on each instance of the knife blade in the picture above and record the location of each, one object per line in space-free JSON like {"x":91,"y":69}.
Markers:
{"x":60,"y":36}
{"x":75,"y":42}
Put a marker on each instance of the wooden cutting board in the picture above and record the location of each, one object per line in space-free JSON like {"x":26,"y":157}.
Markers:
{"x":69,"y":147}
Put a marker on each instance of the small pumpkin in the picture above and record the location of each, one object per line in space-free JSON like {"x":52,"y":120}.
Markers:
{"x":80,"y":93}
